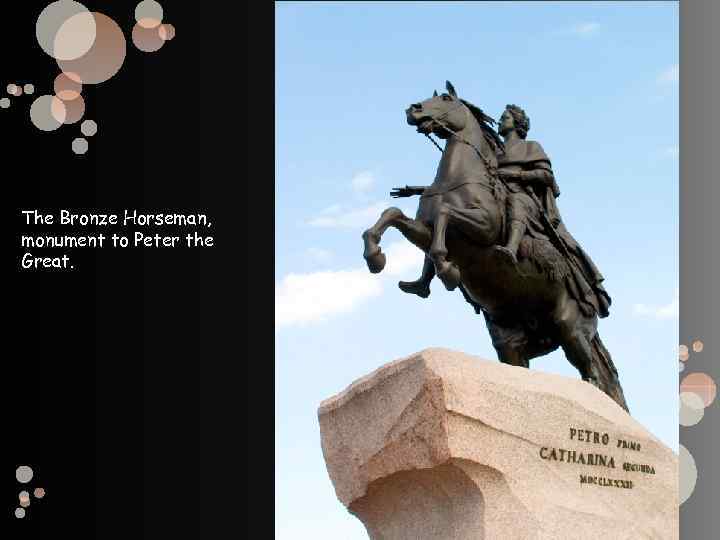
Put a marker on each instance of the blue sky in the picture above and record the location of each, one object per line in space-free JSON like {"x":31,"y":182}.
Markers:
{"x":600,"y":84}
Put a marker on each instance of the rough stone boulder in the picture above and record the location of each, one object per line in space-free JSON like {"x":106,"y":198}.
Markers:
{"x":442,"y":445}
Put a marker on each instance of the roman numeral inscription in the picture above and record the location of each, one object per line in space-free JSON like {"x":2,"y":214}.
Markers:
{"x":598,"y":457}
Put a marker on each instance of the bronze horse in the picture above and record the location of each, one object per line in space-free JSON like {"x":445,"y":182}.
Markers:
{"x":461,"y":219}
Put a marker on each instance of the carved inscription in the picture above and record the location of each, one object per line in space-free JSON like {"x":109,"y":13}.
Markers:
{"x":597,"y":457}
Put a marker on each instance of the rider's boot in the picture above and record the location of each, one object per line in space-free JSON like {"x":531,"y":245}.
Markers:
{"x":420,"y":287}
{"x":517,"y":230}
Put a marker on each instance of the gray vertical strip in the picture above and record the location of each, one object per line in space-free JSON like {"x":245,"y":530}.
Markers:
{"x":700,"y":249}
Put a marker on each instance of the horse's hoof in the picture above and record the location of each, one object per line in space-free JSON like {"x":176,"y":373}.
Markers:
{"x":376,"y":262}
{"x":419,"y":288}
{"x":450,"y":276}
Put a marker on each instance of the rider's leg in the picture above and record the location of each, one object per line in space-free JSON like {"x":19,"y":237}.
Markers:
{"x":517,"y":213}
{"x":421,"y":286}
{"x":517,"y":230}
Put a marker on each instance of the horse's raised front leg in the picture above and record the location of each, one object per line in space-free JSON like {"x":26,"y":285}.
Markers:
{"x":415,"y":231}
{"x":448,"y":272}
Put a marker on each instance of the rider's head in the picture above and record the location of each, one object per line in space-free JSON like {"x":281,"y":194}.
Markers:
{"x":514,"y":118}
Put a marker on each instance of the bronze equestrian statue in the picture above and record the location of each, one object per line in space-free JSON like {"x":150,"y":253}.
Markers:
{"x":489,"y":225}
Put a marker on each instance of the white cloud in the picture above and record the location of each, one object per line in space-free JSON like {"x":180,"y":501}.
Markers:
{"x":670,"y":75}
{"x":315,"y":297}
{"x":319,"y":296}
{"x":668,"y":311}
{"x":319,"y":255}
{"x":585,"y":29}
{"x":363,"y":181}
{"x":332,"y":209}
{"x":403,"y":257}
{"x":338,"y":217}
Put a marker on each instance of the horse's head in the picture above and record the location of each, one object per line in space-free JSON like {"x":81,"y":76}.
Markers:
{"x":430,"y":115}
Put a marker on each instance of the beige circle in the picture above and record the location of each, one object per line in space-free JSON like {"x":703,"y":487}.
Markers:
{"x":691,"y":409}
{"x":701,"y":384}
{"x":105,"y":57}
{"x":39,"y":493}
{"x":65,"y":30}
{"x":80,"y":146}
{"x":147,"y":39}
{"x":48,"y":113}
{"x":4,"y":103}
{"x":67,"y":86}
{"x":688,"y":474}
{"x":698,"y":346}
{"x":11,"y":89}
{"x":29,"y":89}
{"x":89,"y":128}
{"x":149,"y":14}
{"x":24,"y":474}
{"x":166,"y":32}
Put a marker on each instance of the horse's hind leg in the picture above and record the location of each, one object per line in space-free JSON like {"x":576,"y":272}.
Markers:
{"x":584,"y":350}
{"x":576,"y":331}
{"x":513,"y":356}
{"x":417,"y":232}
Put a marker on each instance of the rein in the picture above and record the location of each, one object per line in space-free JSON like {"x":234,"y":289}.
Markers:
{"x":491,"y":169}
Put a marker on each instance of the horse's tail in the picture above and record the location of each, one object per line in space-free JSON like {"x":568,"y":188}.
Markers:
{"x":607,"y":373}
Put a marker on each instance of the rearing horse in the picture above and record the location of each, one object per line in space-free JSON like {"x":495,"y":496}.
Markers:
{"x":461,"y":218}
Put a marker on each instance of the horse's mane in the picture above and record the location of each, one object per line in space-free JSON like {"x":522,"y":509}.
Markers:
{"x":486,"y":124}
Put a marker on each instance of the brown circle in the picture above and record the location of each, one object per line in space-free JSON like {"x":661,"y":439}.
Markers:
{"x":74,"y":110}
{"x":701,"y":384}
{"x":698,"y":346}
{"x":68,"y":86}
{"x":147,"y":39}
{"x":105,"y":57}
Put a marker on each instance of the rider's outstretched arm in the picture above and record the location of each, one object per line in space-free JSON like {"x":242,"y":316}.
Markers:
{"x":407,"y":191}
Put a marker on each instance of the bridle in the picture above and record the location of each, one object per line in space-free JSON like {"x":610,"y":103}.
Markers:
{"x":491,"y":169}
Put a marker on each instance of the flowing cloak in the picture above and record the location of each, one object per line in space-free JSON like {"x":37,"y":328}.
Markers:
{"x":584,"y":280}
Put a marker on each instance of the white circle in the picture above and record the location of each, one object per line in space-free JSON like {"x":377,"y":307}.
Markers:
{"x":50,"y":33}
{"x":19,"y":513}
{"x":149,"y":13}
{"x":88,"y":128}
{"x":29,"y":89}
{"x":48,"y":113}
{"x":23,"y":474}
{"x":80,"y":146}
{"x":4,"y":103}
{"x":688,"y":474}
{"x":692,"y":409}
